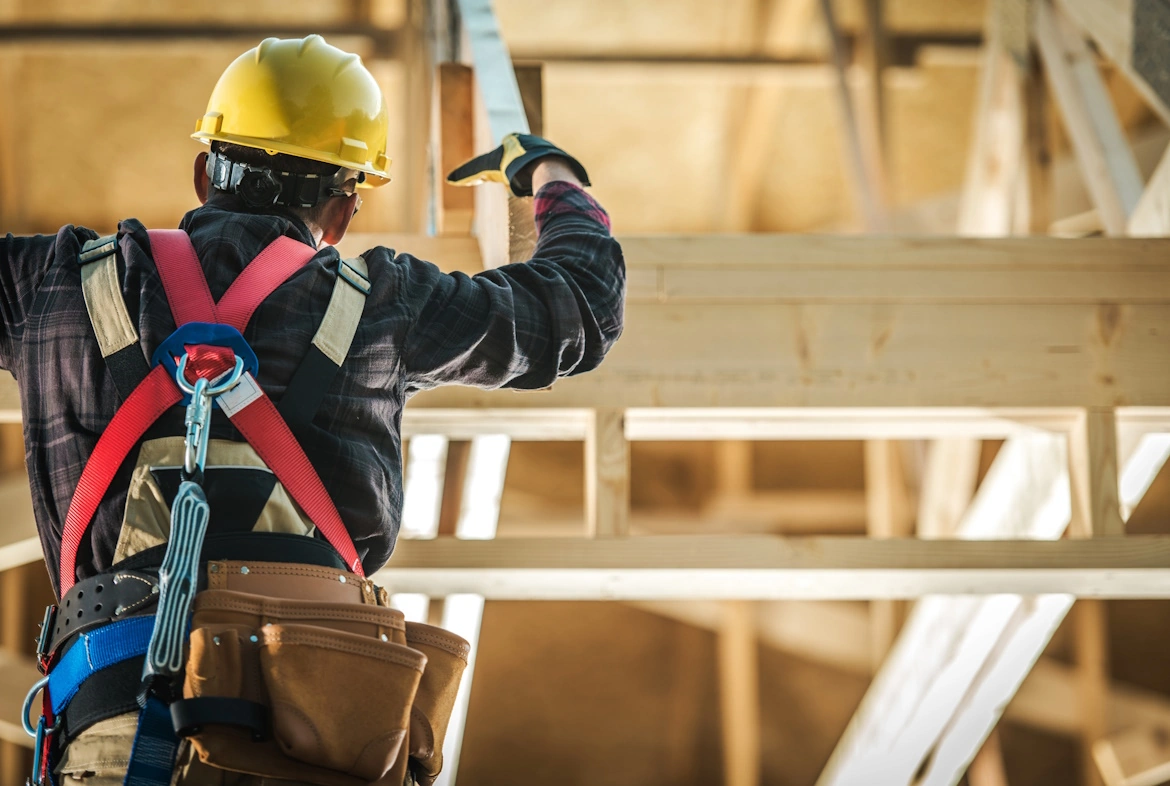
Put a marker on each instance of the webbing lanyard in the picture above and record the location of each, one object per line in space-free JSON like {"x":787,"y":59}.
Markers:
{"x":190,"y":513}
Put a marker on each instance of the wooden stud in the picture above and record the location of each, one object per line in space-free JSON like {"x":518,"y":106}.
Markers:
{"x":875,"y":53}
{"x":888,"y":516}
{"x":734,"y":467}
{"x":453,"y":483}
{"x":993,"y":163}
{"x":455,"y":87}
{"x":1092,"y":655}
{"x":1037,"y":150}
{"x":864,"y":166}
{"x":739,"y":695}
{"x":530,"y":80}
{"x":607,"y":475}
{"x":1094,"y":476}
{"x":1107,"y":163}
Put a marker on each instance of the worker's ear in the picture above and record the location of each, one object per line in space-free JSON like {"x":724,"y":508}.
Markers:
{"x":335,"y":221}
{"x":201,"y":181}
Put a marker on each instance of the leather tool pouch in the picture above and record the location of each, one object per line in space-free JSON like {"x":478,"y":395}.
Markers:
{"x":446,"y":659}
{"x":338,"y":680}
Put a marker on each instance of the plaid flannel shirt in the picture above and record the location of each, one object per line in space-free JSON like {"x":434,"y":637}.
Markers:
{"x":519,"y":326}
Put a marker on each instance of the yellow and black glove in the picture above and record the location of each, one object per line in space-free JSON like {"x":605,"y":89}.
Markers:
{"x":509,"y":162}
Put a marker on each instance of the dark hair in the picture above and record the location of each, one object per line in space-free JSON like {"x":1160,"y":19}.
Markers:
{"x":284,"y":163}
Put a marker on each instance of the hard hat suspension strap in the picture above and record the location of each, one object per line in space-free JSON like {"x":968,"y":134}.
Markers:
{"x":260,"y":186}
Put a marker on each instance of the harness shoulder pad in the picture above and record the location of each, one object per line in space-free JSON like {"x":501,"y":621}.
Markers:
{"x":103,"y":295}
{"x":309,"y":384}
{"x":339,"y":325}
{"x":116,"y":334}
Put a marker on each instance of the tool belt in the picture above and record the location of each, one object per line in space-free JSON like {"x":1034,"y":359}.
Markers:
{"x":324,"y":692}
{"x":297,"y":672}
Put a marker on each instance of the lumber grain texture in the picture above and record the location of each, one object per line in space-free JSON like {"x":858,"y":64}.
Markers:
{"x":772,"y":567}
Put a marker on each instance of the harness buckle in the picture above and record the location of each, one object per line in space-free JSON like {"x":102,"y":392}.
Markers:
{"x":45,"y":638}
{"x":198,"y":418}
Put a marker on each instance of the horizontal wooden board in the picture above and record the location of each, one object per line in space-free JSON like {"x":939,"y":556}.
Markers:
{"x":857,"y":322}
{"x":777,"y":568}
{"x":868,"y":355}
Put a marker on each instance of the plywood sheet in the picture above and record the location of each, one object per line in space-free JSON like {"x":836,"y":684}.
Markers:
{"x":178,"y":12}
{"x":99,"y":131}
{"x":576,"y":28}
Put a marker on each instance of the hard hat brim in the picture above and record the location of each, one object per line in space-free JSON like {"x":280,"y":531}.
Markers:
{"x":374,"y":177}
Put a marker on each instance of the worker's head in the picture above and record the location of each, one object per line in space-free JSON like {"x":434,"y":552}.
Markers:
{"x":296,"y":126}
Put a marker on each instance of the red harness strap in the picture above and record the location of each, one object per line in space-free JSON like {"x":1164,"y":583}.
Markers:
{"x":248,"y":408}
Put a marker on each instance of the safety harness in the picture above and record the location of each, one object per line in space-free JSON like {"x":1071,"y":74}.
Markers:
{"x":205,"y":364}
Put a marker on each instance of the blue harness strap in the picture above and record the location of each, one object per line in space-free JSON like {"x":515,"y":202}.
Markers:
{"x":152,"y":759}
{"x":96,"y":650}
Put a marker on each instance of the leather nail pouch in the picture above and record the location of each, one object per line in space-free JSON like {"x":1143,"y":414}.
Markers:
{"x":339,"y":700}
{"x":446,"y":660}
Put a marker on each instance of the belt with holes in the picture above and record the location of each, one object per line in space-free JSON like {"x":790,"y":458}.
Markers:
{"x":96,"y":601}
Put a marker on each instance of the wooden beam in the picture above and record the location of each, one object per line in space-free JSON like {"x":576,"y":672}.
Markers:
{"x":1107,"y":162}
{"x":607,"y":475}
{"x":1023,"y":638}
{"x":778,"y":568}
{"x":1094,"y":475}
{"x":967,"y":323}
{"x":994,"y":159}
{"x":1128,"y":33}
{"x":947,"y":642}
{"x":739,"y":695}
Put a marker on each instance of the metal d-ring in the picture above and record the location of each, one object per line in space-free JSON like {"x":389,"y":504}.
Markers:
{"x":232,"y":380}
{"x":37,"y":687}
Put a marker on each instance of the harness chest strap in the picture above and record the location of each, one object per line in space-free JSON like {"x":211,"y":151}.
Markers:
{"x":249,"y":409}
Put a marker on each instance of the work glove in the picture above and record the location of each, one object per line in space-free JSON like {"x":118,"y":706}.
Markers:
{"x":509,"y":162}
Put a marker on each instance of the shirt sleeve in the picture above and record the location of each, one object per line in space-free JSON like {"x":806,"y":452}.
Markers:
{"x":24,"y":262}
{"x":522,"y":325}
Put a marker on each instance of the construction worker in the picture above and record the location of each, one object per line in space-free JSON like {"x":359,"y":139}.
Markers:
{"x":216,"y":410}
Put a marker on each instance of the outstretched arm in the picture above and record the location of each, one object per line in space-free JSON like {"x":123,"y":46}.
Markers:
{"x":23,"y":264}
{"x":523,"y":325}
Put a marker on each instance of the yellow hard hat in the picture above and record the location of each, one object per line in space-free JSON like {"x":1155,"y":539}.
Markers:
{"x":302,"y":97}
